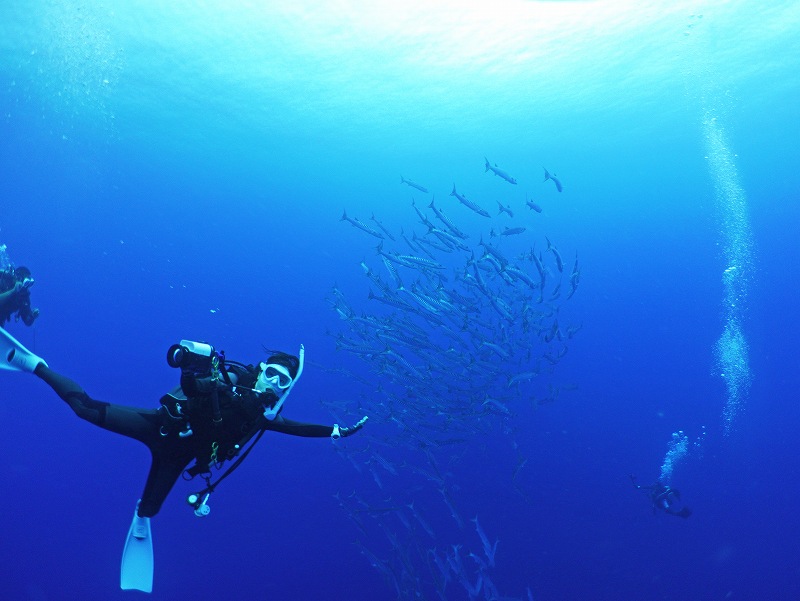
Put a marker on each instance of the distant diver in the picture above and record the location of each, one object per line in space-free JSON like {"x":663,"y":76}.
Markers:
{"x":556,"y":181}
{"x":664,"y":498}
{"x":15,"y":296}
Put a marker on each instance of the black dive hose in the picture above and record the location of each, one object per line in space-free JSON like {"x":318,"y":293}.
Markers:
{"x":199,"y":500}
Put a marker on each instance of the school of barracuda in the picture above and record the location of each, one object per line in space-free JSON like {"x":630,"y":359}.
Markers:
{"x":459,"y":334}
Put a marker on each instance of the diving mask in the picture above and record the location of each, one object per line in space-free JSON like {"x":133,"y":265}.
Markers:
{"x":278,"y":379}
{"x":273,"y":376}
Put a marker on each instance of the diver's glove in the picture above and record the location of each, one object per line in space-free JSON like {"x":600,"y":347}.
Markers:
{"x":345,"y":432}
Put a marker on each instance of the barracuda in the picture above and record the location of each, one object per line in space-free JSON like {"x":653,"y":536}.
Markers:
{"x":499,"y":172}
{"x":468,"y":203}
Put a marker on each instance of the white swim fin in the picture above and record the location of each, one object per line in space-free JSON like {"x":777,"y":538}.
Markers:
{"x":14,"y":356}
{"x":137,"y":557}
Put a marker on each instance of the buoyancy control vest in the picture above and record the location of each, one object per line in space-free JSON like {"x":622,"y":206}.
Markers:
{"x":215,"y":417}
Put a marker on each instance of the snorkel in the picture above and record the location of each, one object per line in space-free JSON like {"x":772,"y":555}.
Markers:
{"x":272,"y":412}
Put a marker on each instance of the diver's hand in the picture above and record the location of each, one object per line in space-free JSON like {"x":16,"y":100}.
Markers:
{"x":345,"y":432}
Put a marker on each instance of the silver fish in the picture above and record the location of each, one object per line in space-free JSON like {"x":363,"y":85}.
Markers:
{"x":468,"y":203}
{"x":505,"y":209}
{"x":449,"y":224}
{"x":533,"y":206}
{"x":380,"y":225}
{"x":408,"y":182}
{"x":556,"y":181}
{"x":488,"y":548}
{"x":360,"y":225}
{"x":499,"y":172}
{"x":554,"y":250}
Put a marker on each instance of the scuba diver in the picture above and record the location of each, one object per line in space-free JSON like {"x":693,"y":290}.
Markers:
{"x":15,"y":295}
{"x":219,"y":407}
{"x":664,"y":498}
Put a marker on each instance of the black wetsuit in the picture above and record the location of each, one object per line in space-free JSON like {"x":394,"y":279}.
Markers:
{"x":15,"y":299}
{"x":241,"y":418}
{"x":664,"y":498}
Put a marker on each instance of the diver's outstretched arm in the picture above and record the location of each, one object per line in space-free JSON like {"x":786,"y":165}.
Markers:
{"x":288,"y":426}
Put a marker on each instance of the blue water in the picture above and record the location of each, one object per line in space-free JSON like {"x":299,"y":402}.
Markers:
{"x":179,"y":170}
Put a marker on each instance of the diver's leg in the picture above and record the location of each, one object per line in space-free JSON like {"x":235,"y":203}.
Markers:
{"x":141,"y":424}
{"x":170,"y":455}
{"x":164,"y":471}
